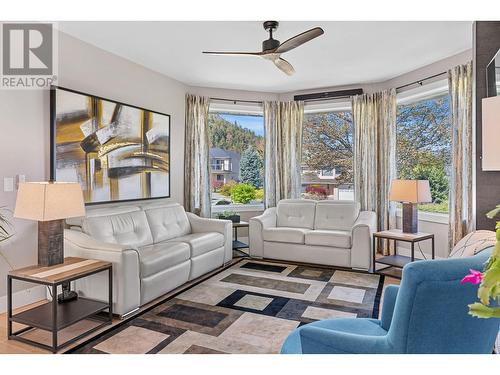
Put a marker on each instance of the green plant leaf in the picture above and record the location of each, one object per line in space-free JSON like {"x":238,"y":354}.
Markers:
{"x":493,"y":213}
{"x":479,"y":310}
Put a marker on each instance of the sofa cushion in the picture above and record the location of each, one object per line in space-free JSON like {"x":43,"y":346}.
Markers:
{"x":158,"y":257}
{"x":333,"y":238}
{"x":336,"y":215}
{"x":130,"y":229}
{"x":295,"y":213}
{"x":167,"y":222}
{"x":284,"y":234}
{"x":201,"y":243}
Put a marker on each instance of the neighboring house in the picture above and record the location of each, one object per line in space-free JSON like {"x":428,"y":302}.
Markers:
{"x":327,"y":179}
{"x":224,"y":165}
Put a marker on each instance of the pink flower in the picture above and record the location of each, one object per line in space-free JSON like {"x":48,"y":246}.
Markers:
{"x":474,"y":277}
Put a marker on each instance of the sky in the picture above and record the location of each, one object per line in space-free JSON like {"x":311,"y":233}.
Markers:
{"x":254,"y":123}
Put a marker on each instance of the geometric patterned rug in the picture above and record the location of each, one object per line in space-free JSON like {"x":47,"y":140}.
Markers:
{"x":247,"y":308}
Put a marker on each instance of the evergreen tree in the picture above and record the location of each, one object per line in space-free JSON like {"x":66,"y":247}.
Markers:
{"x":250,"y":167}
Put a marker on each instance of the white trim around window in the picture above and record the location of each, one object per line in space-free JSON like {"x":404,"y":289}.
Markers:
{"x":427,"y":91}
{"x":252,"y":109}
{"x":327,"y":106}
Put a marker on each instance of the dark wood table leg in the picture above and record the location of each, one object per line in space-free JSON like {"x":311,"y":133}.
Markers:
{"x":374,"y":250}
{"x":433,"y":251}
{"x":9,"y":306}
{"x":54,"y":318}
{"x":110,"y":286}
{"x":412,"y":251}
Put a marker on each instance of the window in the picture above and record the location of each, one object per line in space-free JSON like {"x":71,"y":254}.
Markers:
{"x":327,"y":155}
{"x":424,"y":145}
{"x":236,"y":158}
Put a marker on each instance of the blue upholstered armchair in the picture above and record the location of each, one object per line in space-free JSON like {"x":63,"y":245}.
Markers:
{"x":428,"y":313}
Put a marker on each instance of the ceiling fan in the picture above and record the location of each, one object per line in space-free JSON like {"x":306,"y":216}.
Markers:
{"x":272,"y":48}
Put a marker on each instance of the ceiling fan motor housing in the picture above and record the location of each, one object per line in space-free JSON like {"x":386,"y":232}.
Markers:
{"x":270,"y":43}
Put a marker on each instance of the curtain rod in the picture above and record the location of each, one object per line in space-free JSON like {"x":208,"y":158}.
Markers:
{"x":237,"y":101}
{"x":421,"y":80}
{"x":326,"y":99}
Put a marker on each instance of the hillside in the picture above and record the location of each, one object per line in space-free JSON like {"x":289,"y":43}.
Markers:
{"x":231,"y":136}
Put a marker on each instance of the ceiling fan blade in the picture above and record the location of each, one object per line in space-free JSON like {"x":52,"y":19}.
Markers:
{"x":233,"y":53}
{"x":284,"y":66}
{"x":298,"y":40}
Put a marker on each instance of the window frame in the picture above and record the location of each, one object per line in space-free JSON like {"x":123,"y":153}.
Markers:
{"x":243,"y":109}
{"x":424,"y":92}
{"x":328,"y":106}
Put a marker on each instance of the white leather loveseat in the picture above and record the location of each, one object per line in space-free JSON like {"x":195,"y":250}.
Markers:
{"x":154,"y":249}
{"x":326,"y":232}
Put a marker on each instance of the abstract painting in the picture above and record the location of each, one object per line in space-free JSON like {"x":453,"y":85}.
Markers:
{"x":117,"y":152}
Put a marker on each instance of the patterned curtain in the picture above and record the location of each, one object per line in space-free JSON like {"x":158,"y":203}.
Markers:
{"x":460,"y":197}
{"x":283,"y":150}
{"x":374,"y":117}
{"x":196,"y":156}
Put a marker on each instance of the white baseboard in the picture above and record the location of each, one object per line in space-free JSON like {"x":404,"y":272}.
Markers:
{"x":24,"y":297}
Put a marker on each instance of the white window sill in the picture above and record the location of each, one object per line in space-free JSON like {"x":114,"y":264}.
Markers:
{"x":432,"y":217}
{"x":239,"y":207}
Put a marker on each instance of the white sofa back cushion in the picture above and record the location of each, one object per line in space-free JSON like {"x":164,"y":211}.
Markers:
{"x":295,"y":213}
{"x":336,"y":215}
{"x":102,"y":211}
{"x":168,"y":221}
{"x":131,"y":229}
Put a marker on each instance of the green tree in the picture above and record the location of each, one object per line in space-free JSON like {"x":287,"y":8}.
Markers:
{"x":438,"y":180}
{"x":423,"y":135}
{"x":327,"y":143}
{"x":250,"y":167}
{"x":243,"y":193}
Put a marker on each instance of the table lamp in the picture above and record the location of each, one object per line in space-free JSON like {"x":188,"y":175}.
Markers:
{"x":49,"y":203}
{"x":410,"y":193}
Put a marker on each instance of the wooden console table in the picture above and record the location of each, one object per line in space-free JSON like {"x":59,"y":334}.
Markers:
{"x":53,"y":316}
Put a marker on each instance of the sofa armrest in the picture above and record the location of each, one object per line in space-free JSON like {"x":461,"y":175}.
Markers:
{"x":256,"y":225}
{"x":316,"y":340}
{"x":390,"y":294}
{"x":362,"y":231}
{"x":126,"y":276}
{"x":225,"y":227}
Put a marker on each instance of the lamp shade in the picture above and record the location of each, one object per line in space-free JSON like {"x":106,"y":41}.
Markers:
{"x":410,"y":191}
{"x":46,"y":201}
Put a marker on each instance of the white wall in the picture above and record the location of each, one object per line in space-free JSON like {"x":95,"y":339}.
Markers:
{"x":415,"y":75}
{"x":24,"y":127}
{"x":233,"y":94}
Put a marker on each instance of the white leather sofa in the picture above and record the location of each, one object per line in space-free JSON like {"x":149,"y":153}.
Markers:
{"x":154,"y":249}
{"x":329,"y":232}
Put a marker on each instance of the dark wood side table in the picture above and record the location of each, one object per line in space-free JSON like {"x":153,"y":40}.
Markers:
{"x":396,"y":262}
{"x":237,"y":245}
{"x":53,"y":316}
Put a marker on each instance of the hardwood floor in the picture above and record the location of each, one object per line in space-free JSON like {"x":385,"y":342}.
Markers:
{"x":15,"y":347}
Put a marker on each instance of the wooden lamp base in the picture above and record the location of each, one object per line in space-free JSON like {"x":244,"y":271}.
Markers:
{"x":410,"y":218}
{"x":50,"y":242}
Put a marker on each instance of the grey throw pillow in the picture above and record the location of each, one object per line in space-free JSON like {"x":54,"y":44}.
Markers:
{"x":473,"y":243}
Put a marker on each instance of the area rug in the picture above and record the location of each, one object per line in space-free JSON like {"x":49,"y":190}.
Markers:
{"x":247,"y":308}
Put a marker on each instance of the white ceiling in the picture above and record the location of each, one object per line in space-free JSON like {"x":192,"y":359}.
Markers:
{"x":349,"y":52}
